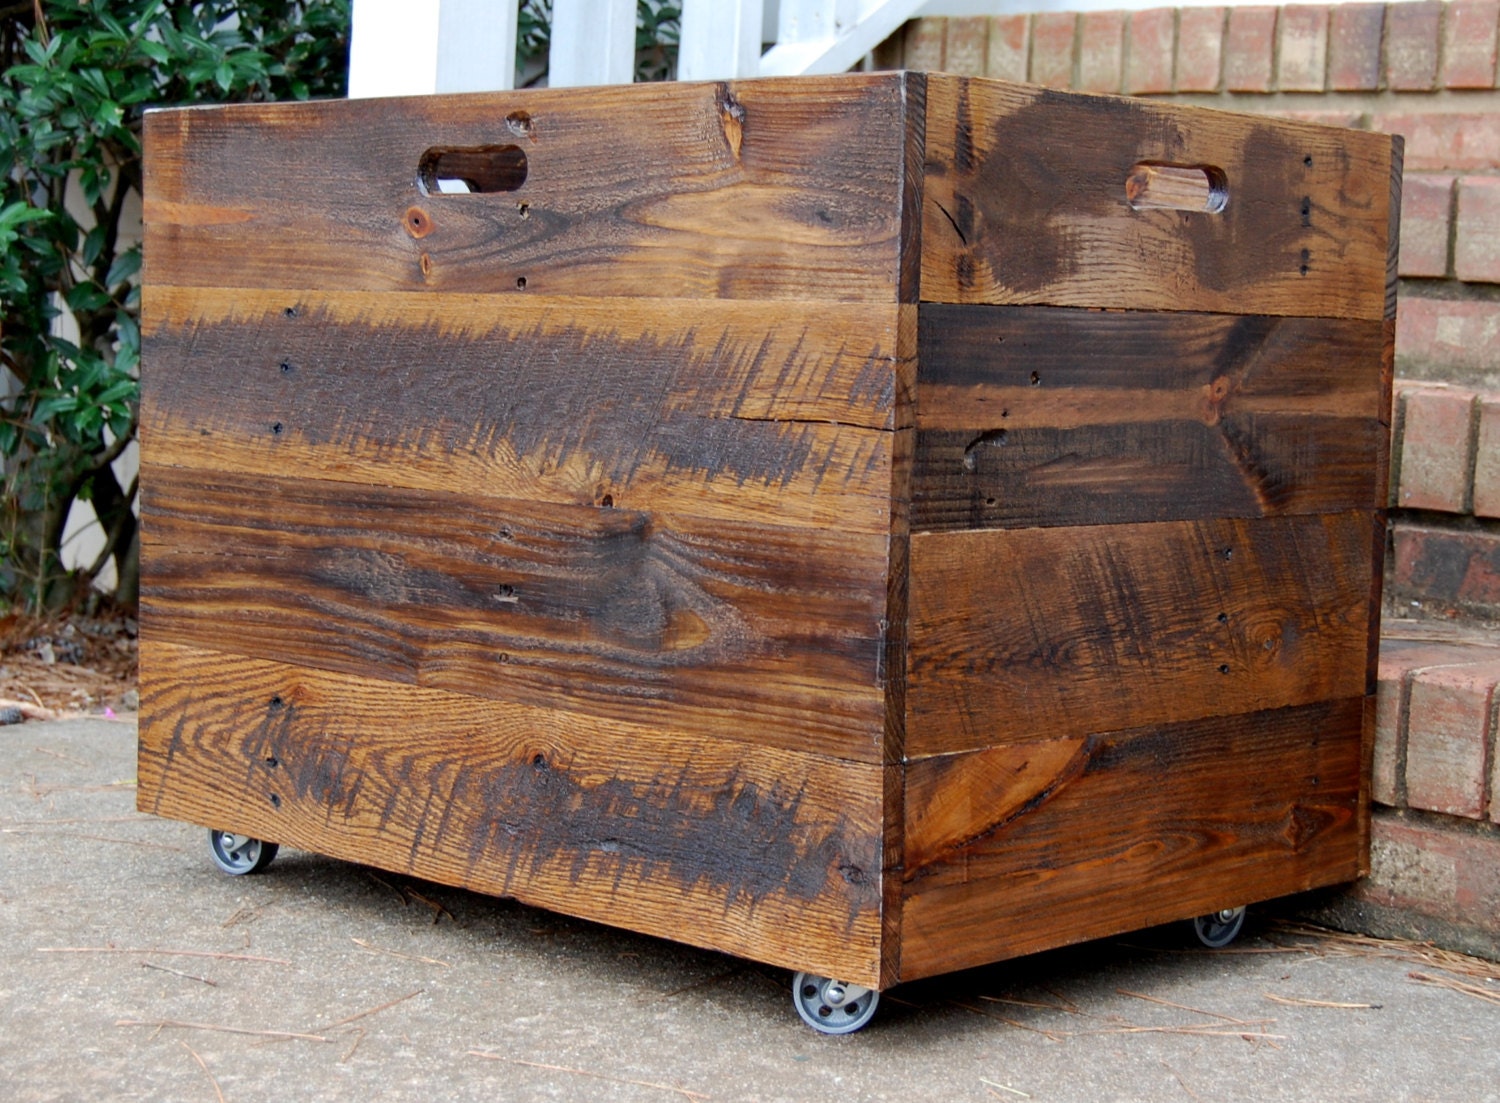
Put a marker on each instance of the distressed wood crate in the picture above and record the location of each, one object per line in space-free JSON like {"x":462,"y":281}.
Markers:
{"x":845,"y":522}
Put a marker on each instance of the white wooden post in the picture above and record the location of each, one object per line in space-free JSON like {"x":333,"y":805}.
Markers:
{"x":417,"y":47}
{"x":720,"y":39}
{"x":830,"y":36}
{"x":593,"y":42}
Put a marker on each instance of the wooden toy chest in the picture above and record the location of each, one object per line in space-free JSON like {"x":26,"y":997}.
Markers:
{"x":874,"y":524}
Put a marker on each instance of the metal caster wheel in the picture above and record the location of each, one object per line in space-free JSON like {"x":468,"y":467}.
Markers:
{"x":832,"y":1006}
{"x":1218,"y":929}
{"x":237,"y":855}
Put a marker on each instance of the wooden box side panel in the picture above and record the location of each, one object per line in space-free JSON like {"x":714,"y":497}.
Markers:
{"x":767,"y":853}
{"x":1032,"y":416}
{"x":1028,"y":634}
{"x":788,"y":189}
{"x":1020,"y":848}
{"x":1026,"y":202}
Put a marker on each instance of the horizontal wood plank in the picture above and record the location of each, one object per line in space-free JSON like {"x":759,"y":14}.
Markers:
{"x":734,"y":410}
{"x":769,"y":636}
{"x":785,"y":189}
{"x":1020,"y":635}
{"x":1055,"y":416}
{"x":1021,"y":848}
{"x":769,"y":854}
{"x":1026,"y":202}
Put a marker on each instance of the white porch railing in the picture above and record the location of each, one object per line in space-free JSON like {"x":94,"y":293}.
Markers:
{"x":416,"y":47}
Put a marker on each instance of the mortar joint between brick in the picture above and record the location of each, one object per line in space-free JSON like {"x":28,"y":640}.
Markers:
{"x":1075,"y":77}
{"x":1442,"y":53}
{"x":1403,"y":735}
{"x":1276,"y":28}
{"x":1487,"y":769}
{"x":1328,"y":50}
{"x":1176,"y":44}
{"x":1398,"y":453}
{"x":1471,"y":451}
{"x":1028,"y":69}
{"x":1382,"y":74}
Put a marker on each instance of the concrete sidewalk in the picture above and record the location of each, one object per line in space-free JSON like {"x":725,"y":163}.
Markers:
{"x":392,"y":989}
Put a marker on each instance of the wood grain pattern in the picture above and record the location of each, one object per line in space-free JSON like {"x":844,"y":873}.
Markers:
{"x":770,"y":854}
{"x":1021,"y":848}
{"x":1018,"y":635}
{"x":785,"y":189}
{"x":1026,"y":203}
{"x":737,"y":410}
{"x":1055,"y":416}
{"x":770,"y":636}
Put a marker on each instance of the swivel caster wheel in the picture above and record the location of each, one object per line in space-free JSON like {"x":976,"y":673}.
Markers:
{"x":237,"y":855}
{"x":832,"y":1006}
{"x":1218,"y":929}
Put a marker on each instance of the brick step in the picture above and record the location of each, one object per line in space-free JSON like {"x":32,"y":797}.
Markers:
{"x":1435,"y":720}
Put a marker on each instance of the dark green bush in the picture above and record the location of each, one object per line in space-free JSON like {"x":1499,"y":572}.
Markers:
{"x":76,"y":78}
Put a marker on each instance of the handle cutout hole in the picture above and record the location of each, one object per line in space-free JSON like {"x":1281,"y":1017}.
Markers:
{"x":1200,"y":188}
{"x":471,"y":170}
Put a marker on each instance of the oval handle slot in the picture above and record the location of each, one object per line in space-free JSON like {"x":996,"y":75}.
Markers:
{"x":1200,"y":188}
{"x":471,"y":170}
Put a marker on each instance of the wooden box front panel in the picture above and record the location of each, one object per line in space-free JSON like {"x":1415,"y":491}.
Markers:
{"x":537,"y":541}
{"x":1146,"y":540}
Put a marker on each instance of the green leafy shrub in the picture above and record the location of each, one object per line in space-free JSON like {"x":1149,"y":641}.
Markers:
{"x":75,"y":77}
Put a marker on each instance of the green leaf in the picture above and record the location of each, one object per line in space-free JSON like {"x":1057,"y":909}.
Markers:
{"x":224,"y":75}
{"x":50,"y":407}
{"x":126,"y":265}
{"x":116,"y":391}
{"x":85,"y":297}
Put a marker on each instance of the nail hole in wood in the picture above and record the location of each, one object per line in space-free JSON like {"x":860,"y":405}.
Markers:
{"x":276,"y":701}
{"x":1307,"y":161}
{"x":607,"y":502}
{"x":289,"y":312}
{"x":1306,"y":211}
{"x":470,"y":170}
{"x":524,"y":209}
{"x":519,"y":124}
{"x":417,"y":222}
{"x":286,"y":367}
{"x":1223,"y":668}
{"x":540,"y":762}
{"x":272,"y":761}
{"x":520,"y":283}
{"x":1202,"y":189}
{"x":276,"y":429}
{"x":1223,"y":618}
{"x":1227,"y":554}
{"x":275,"y":801}
{"x":1036,"y":379}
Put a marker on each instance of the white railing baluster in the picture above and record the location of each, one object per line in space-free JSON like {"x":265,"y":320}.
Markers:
{"x":593,"y":42}
{"x":417,"y":47}
{"x":720,"y":39}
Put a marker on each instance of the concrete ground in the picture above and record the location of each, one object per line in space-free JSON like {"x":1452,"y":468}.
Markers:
{"x":130,"y":969}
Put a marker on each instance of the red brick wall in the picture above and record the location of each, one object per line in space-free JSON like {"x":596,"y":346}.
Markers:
{"x":1426,"y":70}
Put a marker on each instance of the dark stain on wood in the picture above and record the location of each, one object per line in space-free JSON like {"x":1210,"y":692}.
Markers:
{"x":1054,"y":416}
{"x":548,"y":397}
{"x":1025,"y":202}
